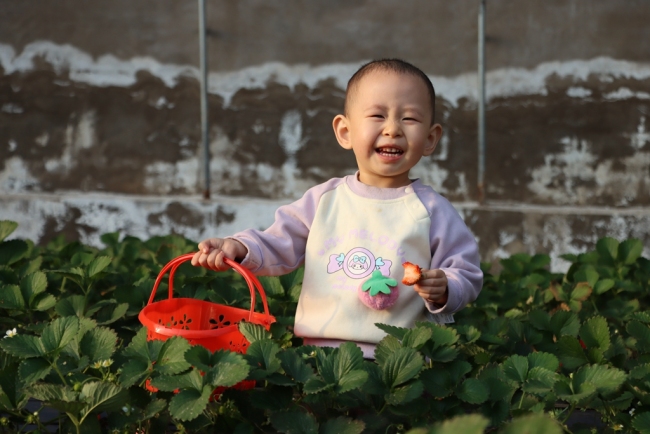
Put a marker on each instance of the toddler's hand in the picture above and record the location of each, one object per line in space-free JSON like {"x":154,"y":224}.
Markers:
{"x":213,"y":250}
{"x":432,"y":286}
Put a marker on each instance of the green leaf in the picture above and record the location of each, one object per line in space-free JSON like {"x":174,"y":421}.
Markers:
{"x":228,"y":374}
{"x":155,"y":407}
{"x":607,"y":248}
{"x":101,"y":396}
{"x":98,"y":344}
{"x":603,"y":285}
{"x":263,"y":354}
{"x":110,"y":314}
{"x":43,"y":302}
{"x":34,"y":369}
{"x":641,"y":422}
{"x":404,"y":394}
{"x":401,"y":366}
{"x":253,"y":332}
{"x":570,"y":353}
{"x":540,"y":381}
{"x":586,"y":274}
{"x":11,"y":297}
{"x":12,"y":251}
{"x":295,"y":367}
{"x":516,"y":368}
{"x":272,"y":285}
{"x":473,"y":391}
{"x":416,"y":337}
{"x":533,"y":424}
{"x":294,"y":422}
{"x":188,"y":380}
{"x":351,"y":380}
{"x":74,"y":305}
{"x":23,"y":346}
{"x":543,"y":360}
{"x":465,"y":424}
{"x":6,"y":228}
{"x":629,"y":251}
{"x":171,"y":358}
{"x":33,"y":285}
{"x":387,"y":346}
{"x":133,"y":371}
{"x":606,"y":379}
{"x":348,"y":357}
{"x":397,"y":332}
{"x":190,"y":403}
{"x":59,"y":333}
{"x":342,"y":425}
{"x":98,"y":265}
{"x":595,"y":333}
{"x":641,"y":333}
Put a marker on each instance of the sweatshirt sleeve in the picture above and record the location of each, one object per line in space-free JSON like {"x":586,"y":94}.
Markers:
{"x":280,"y":249}
{"x":455,"y":251}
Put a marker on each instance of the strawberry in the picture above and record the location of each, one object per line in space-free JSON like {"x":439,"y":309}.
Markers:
{"x":412,"y":273}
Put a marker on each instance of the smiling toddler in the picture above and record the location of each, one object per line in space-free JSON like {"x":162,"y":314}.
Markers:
{"x":354,"y":233}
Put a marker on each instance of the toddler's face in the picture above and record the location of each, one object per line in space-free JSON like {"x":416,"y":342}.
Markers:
{"x":388,"y":127}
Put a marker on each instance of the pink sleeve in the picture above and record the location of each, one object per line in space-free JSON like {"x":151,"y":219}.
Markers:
{"x":280,"y":249}
{"x":455,"y":251}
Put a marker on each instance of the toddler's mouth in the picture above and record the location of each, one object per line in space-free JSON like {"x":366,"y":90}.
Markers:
{"x":389,"y":151}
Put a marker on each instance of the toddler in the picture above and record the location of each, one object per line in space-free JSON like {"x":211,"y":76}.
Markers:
{"x":354,"y":233}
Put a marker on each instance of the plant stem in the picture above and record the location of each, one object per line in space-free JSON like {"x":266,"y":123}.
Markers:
{"x":521,"y":401}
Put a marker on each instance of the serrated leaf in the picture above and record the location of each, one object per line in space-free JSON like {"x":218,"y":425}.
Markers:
{"x":516,"y":368}
{"x":75,"y":305}
{"x":342,"y":425}
{"x":586,"y":274}
{"x":565,"y":323}
{"x":641,"y":422}
{"x":387,"y":346}
{"x":351,"y":380}
{"x":12,"y":251}
{"x":315,"y":385}
{"x":33,"y":285}
{"x":606,"y":379}
{"x":253,"y":332}
{"x":98,"y":344}
{"x":109,"y":315}
{"x":539,"y":381}
{"x":348,"y":357}
{"x":101,"y":396}
{"x":153,"y":408}
{"x":397,"y":332}
{"x":533,"y":424}
{"x":570,"y":353}
{"x":406,"y":393}
{"x":133,"y":371}
{"x":171,"y":358}
{"x":401,"y":366}
{"x":43,"y":302}
{"x":263,"y":355}
{"x":34,"y":369}
{"x":603,"y":285}
{"x":416,"y":337}
{"x":59,"y":333}
{"x":295,"y":367}
{"x":294,"y":422}
{"x":581,"y":292}
{"x":188,"y":380}
{"x":23,"y":346}
{"x":6,"y":228}
{"x":465,"y":424}
{"x":228,"y":374}
{"x":473,"y":391}
{"x":11,"y":297}
{"x":543,"y":360}
{"x":607,"y":248}
{"x":629,"y":251}
{"x":189,"y":404}
{"x":575,"y":393}
{"x":640,"y":332}
{"x":272,"y":285}
{"x":98,"y":265}
{"x":595,"y":333}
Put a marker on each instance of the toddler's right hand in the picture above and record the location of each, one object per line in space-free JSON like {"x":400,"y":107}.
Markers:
{"x":213,"y":250}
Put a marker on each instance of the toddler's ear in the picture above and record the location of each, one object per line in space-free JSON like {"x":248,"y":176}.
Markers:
{"x":342,"y":131}
{"x":435,"y":133}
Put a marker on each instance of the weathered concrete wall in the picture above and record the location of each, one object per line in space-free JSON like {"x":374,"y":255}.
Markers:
{"x":99,"y":113}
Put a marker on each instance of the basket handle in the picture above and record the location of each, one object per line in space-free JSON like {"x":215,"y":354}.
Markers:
{"x":251,"y":280}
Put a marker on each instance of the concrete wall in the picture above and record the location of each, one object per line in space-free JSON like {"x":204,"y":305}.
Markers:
{"x":100,"y":130}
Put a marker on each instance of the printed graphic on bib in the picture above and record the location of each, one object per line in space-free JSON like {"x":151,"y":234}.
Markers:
{"x":358,"y":263}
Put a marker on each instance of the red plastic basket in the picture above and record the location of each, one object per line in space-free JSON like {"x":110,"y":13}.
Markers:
{"x":211,"y":325}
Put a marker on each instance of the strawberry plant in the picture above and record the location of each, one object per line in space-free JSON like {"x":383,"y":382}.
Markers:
{"x":535,"y":350}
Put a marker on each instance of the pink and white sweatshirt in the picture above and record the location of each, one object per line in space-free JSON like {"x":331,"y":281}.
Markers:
{"x":343,"y":231}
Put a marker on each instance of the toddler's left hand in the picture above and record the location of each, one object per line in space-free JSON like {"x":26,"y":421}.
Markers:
{"x":432,"y":286}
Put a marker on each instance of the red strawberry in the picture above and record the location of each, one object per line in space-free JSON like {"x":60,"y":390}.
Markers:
{"x":412,"y":273}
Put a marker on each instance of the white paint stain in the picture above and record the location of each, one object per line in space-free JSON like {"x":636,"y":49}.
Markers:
{"x":639,"y":138}
{"x":77,"y":137}
{"x":108,"y":70}
{"x":291,"y":140}
{"x":163,"y":178}
{"x":625,"y":93}
{"x":16,"y":177}
{"x":574,"y":176}
{"x":578,"y":92}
